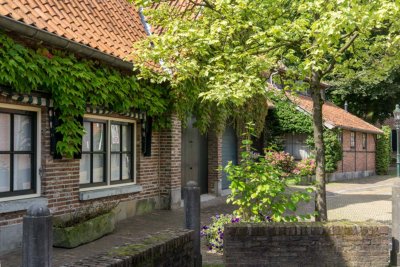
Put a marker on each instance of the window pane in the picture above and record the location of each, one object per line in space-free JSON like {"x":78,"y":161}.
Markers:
{"x":4,"y":133}
{"x":4,"y":173}
{"x":98,"y":136}
{"x":115,"y":167}
{"x":98,"y":168}
{"x":84,"y":170}
{"x":22,"y":172}
{"x":126,"y":166}
{"x":86,"y":137}
{"x":115,"y":136}
{"x":126,"y":138}
{"x":22,"y":133}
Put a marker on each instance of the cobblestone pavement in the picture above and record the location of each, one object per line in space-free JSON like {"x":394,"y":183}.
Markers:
{"x":356,"y":200}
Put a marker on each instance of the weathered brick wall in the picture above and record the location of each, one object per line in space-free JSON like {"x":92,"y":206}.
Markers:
{"x":307,"y":244}
{"x":357,"y":159}
{"x":170,"y":160}
{"x":60,"y":178}
{"x":168,"y":248}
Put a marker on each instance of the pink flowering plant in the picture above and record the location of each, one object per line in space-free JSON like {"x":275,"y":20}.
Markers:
{"x":214,"y":233}
{"x":281,"y":160}
{"x":305,"y":167}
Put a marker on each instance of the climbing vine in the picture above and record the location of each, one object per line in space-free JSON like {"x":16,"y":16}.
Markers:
{"x":287,"y":118}
{"x":383,"y":151}
{"x":73,"y":83}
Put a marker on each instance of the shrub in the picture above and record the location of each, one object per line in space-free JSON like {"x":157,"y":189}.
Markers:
{"x":305,"y":167}
{"x":214,"y":233}
{"x":383,"y":151}
{"x":258,"y":191}
{"x":281,"y":160}
{"x":333,"y":149}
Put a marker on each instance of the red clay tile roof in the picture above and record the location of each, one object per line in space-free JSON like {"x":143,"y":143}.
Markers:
{"x":110,"y":26}
{"x":336,"y":116}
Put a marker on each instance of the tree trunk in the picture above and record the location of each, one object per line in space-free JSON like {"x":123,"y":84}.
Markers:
{"x":320,"y":197}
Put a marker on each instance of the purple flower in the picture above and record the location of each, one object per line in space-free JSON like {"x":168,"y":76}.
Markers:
{"x":217,"y":216}
{"x":235,"y":220}
{"x":205,"y":227}
{"x":268,"y":218}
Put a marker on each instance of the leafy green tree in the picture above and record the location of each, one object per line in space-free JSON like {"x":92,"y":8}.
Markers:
{"x":373,"y":101}
{"x":218,"y":54}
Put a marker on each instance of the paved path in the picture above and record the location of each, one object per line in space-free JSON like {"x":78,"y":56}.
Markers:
{"x":357,"y":200}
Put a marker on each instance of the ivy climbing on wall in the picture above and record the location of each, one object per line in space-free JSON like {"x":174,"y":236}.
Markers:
{"x":285,"y":117}
{"x":75,"y":82}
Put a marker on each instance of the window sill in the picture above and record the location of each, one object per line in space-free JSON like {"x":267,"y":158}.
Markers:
{"x":21,"y":204}
{"x":109,"y":191}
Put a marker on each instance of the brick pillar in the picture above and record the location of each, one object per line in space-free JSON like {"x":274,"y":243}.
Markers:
{"x":170,"y":165}
{"x":214,"y":161}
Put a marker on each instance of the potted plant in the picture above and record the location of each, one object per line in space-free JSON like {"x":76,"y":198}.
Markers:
{"x":83,"y":226}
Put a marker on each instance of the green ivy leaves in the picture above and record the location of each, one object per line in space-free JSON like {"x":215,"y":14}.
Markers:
{"x":73,"y":83}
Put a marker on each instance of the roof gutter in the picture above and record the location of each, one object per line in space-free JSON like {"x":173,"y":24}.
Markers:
{"x":62,"y":42}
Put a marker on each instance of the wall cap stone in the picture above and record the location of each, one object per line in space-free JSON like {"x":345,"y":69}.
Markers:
{"x":109,"y":191}
{"x":21,"y":204}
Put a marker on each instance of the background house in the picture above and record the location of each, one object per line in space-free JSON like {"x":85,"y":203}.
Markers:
{"x":356,"y":136}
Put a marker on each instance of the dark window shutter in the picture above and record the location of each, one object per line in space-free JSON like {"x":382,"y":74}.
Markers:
{"x":146,"y":136}
{"x":55,"y":136}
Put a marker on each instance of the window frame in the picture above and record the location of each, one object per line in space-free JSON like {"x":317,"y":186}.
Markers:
{"x":352,"y":139}
{"x":364,"y":140}
{"x":108,"y":183}
{"x":91,"y":153}
{"x":35,"y":151}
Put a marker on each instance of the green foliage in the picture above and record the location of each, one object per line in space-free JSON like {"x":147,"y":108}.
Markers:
{"x":372,"y":100}
{"x":333,"y":149}
{"x":72,"y":83}
{"x":286,"y":118}
{"x":214,"y":233}
{"x":218,"y":53}
{"x":258,"y":190}
{"x":383,"y":151}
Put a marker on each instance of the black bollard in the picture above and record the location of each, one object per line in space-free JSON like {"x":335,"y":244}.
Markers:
{"x":191,"y":197}
{"x":37,"y":242}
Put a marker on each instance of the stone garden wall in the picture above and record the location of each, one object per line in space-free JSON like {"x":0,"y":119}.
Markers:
{"x":307,"y":244}
{"x":167,"y":248}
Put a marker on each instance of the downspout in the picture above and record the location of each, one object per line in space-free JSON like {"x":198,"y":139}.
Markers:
{"x":61,"y":42}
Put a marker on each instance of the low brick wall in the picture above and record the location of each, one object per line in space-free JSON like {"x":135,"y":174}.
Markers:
{"x":307,"y":244}
{"x":167,"y":248}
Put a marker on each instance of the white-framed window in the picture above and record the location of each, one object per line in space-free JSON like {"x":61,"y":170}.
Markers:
{"x":108,"y":151}
{"x":19,"y":151}
{"x":352,"y":139}
{"x":364,"y":141}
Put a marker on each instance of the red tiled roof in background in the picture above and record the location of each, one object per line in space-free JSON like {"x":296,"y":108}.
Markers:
{"x":337,"y":116}
{"x":110,"y":26}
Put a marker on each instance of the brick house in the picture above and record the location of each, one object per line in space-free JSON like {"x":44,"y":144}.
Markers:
{"x":102,"y":31}
{"x":358,"y":139}
{"x":98,"y":30}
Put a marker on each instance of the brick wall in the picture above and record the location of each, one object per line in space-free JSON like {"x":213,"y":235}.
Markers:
{"x":357,"y":159}
{"x":60,"y":178}
{"x":168,"y":248}
{"x":307,"y":244}
{"x":170,"y":161}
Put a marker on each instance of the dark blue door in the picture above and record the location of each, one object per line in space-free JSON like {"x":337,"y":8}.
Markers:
{"x":229,"y":152}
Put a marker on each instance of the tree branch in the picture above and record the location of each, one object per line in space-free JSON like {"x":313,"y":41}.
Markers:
{"x":341,"y":51}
